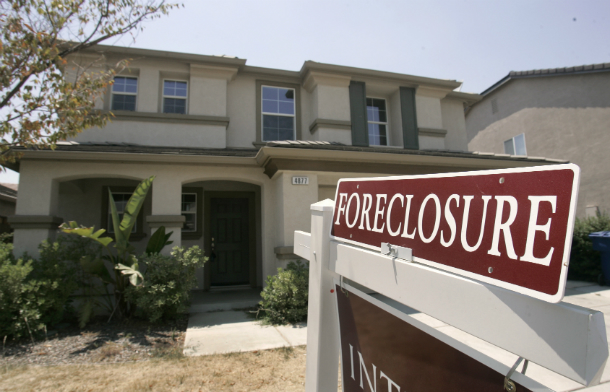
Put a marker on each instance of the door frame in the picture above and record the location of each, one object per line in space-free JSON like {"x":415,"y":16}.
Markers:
{"x":207,"y":237}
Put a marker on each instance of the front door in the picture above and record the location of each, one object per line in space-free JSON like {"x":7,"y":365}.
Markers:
{"x":230,"y":263}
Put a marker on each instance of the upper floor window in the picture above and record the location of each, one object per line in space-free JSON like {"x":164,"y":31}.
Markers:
{"x":124,"y":92}
{"x":377,"y":121}
{"x":278,"y":113}
{"x":174,"y":96}
{"x":515,"y":145}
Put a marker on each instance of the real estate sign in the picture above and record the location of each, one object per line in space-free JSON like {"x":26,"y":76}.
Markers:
{"x":386,"y":350}
{"x":510,"y":227}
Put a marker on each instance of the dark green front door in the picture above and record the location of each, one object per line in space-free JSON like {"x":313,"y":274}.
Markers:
{"x":230,"y":241}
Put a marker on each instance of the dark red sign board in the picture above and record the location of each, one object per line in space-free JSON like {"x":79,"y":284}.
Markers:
{"x":382,"y":352}
{"x":511,"y":227}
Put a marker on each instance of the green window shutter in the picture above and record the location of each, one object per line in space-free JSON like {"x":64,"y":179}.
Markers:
{"x":357,"y":101}
{"x":410,"y":134}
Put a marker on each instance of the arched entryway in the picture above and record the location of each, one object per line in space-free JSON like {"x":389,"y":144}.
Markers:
{"x":224,"y":218}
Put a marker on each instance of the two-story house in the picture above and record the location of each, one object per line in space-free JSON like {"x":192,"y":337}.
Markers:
{"x":240,"y":152}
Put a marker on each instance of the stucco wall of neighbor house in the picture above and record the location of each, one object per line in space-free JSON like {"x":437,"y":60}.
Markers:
{"x":579,"y":135}
{"x":589,"y":90}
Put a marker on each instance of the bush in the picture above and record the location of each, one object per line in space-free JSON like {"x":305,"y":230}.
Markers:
{"x":168,"y":280}
{"x":584,"y":261}
{"x":285,"y":295}
{"x":59,"y":263}
{"x":19,"y":310}
{"x":34,"y":294}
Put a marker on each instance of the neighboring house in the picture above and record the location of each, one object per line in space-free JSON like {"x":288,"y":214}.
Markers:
{"x":240,"y":152}
{"x":8,"y":198}
{"x":559,"y":113}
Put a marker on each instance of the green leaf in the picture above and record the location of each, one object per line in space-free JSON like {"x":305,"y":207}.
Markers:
{"x":118,"y":235}
{"x":132,"y":209}
{"x":85,"y":313}
{"x":87,"y":232}
{"x":158,"y":241}
{"x":135,"y":277}
{"x":97,"y":268}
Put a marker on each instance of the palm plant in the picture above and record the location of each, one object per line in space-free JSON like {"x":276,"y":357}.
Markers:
{"x":125,"y":269}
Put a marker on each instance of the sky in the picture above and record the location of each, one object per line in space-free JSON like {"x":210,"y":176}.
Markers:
{"x":476,"y":42}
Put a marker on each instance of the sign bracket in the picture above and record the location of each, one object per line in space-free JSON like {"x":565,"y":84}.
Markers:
{"x":509,"y":385}
{"x":396,"y":251}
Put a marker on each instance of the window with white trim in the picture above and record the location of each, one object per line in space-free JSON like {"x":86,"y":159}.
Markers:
{"x":120,"y":200}
{"x":278,"y":113}
{"x":174,"y":96}
{"x":124,"y":93}
{"x":376,"y":113}
{"x":515,"y":145}
{"x":189,"y":211}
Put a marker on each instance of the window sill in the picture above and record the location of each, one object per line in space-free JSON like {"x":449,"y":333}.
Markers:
{"x":123,"y":115}
{"x":191,"y":236}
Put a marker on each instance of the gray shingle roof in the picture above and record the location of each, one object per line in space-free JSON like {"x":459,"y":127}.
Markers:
{"x":300,"y":144}
{"x":581,"y":69}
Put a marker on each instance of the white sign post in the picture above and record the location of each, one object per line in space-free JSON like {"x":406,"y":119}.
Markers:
{"x":567,"y":339}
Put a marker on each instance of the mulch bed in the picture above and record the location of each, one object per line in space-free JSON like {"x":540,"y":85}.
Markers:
{"x":99,"y":342}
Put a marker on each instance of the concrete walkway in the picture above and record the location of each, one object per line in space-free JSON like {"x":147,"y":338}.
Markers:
{"x":236,"y":331}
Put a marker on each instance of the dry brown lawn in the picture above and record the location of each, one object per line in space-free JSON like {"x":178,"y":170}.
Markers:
{"x":270,"y":370}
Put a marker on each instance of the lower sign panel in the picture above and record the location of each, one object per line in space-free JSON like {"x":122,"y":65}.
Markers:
{"x":383,"y":349}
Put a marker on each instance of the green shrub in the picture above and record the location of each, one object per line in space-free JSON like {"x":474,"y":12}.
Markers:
{"x":20,"y":299}
{"x":35,"y":294}
{"x":584,"y":261}
{"x":59,"y":262}
{"x":285,"y":295}
{"x":168,"y":280}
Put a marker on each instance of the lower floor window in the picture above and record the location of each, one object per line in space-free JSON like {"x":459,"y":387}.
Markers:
{"x":189,"y":212}
{"x":120,"y":200}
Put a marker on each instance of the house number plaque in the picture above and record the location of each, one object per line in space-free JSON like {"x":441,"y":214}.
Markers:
{"x":300,"y":180}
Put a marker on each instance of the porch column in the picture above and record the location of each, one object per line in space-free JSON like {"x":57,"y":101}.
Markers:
{"x":293,"y":213}
{"x":166,"y":204}
{"x":35,"y":217}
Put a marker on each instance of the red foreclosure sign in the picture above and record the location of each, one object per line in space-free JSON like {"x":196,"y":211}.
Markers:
{"x":511,"y":227}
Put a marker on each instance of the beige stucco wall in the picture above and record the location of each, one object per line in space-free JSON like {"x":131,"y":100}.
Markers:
{"x":579,"y":135}
{"x":241,"y":110}
{"x":7,"y":208}
{"x":563,"y":117}
{"x":50,"y":196}
{"x":575,"y":91}
{"x":224,"y":91}
{"x":454,"y":123}
{"x":428,"y":112}
{"x":150,"y":133}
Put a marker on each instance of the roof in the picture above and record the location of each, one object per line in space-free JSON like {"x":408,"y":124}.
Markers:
{"x":565,"y":71}
{"x":240,"y":64}
{"x":8,"y":192}
{"x":300,"y":144}
{"x":402,"y":151}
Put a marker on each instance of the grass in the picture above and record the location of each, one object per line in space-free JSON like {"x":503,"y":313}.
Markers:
{"x":281,"y":369}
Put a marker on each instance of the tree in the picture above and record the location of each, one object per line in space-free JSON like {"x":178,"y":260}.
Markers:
{"x":39,"y":106}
